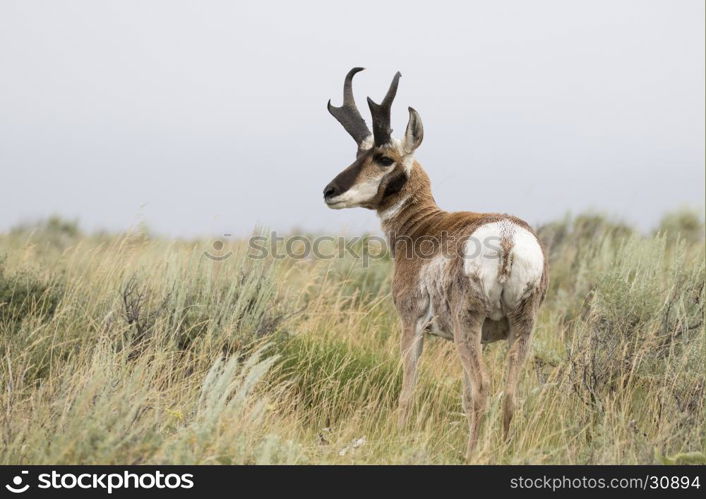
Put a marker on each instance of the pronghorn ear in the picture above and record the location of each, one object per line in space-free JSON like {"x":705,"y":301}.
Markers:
{"x":415,"y":132}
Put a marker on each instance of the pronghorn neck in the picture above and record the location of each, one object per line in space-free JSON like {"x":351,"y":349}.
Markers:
{"x":411,"y":211}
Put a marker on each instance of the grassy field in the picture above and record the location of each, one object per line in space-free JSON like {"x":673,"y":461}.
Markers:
{"x":134,"y":349}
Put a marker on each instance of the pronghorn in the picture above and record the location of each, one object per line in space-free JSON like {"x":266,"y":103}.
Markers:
{"x":484,"y":284}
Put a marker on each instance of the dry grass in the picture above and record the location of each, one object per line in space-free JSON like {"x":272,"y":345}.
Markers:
{"x":130,"y":349}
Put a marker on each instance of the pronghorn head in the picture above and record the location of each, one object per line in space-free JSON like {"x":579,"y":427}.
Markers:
{"x":383,"y":164}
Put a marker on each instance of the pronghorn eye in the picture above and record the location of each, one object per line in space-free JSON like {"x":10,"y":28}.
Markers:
{"x":384,"y":160}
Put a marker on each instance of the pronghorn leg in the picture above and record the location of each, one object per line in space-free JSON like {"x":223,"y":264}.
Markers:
{"x":467,"y":336}
{"x":519,"y":338}
{"x":411,"y":349}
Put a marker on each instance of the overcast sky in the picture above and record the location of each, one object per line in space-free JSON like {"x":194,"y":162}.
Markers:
{"x":210,"y":117}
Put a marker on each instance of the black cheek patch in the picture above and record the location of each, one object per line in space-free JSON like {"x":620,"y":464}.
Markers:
{"x":395,"y":184}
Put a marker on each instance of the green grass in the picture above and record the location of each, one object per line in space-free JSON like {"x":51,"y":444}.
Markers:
{"x":134,"y":349}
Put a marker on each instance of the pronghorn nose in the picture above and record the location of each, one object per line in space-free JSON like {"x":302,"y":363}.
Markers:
{"x":330,"y":191}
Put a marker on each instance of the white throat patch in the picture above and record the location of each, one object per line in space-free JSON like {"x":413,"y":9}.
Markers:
{"x":392,"y":211}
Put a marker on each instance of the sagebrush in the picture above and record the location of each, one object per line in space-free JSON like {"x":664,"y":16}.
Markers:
{"x":130,"y":348}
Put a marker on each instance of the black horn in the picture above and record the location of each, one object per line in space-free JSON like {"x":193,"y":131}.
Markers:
{"x":348,"y":114}
{"x":381,"y":113}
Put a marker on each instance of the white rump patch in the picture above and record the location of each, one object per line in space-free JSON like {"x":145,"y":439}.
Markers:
{"x":505,"y":279}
